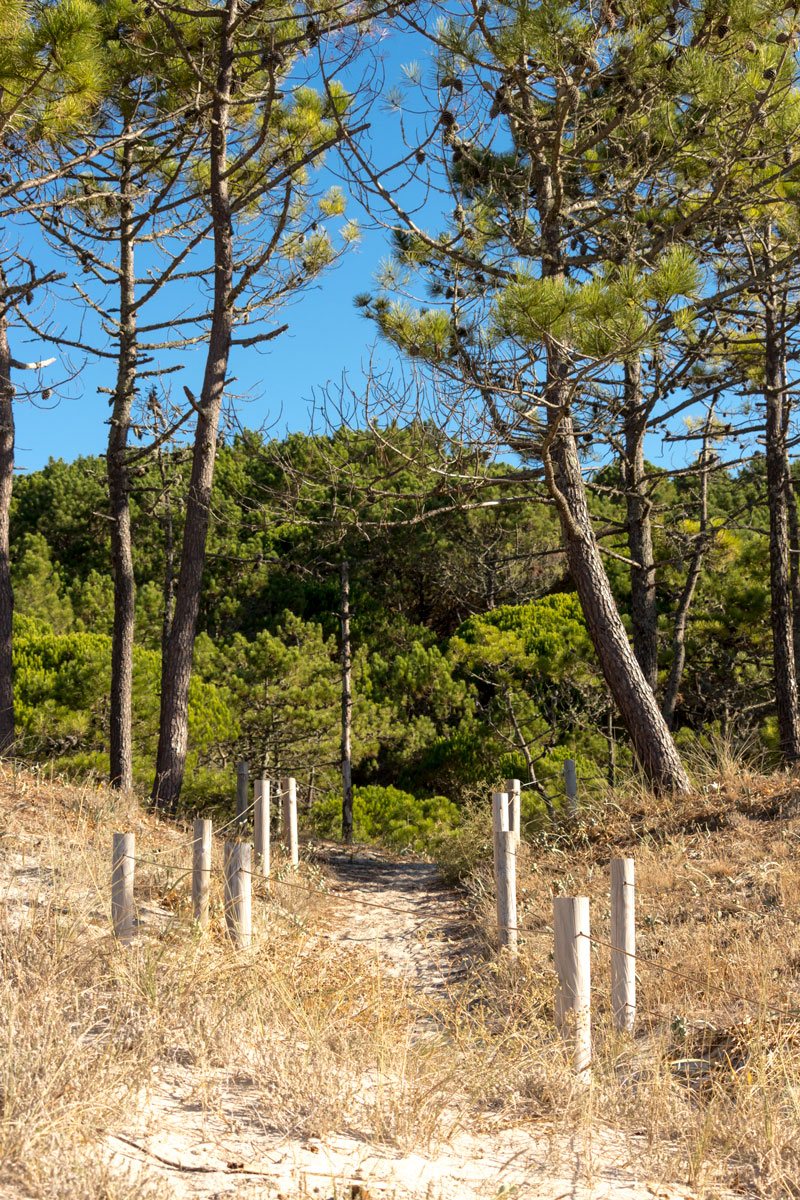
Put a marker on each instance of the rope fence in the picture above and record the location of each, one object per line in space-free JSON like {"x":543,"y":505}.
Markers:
{"x":570,"y":935}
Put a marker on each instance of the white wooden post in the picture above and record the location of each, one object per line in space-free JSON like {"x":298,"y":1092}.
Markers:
{"x":201,"y":870}
{"x":507,"y":890}
{"x":289,"y":815}
{"x":573,"y":968}
{"x":514,"y":789}
{"x":237,"y":869}
{"x":242,"y":788}
{"x":123,"y":865}
{"x":261,"y":811}
{"x":499,"y":816}
{"x":571,"y":786}
{"x":505,"y":872}
{"x":623,"y":940}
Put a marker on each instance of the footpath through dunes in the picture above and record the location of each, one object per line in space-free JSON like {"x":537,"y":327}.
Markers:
{"x":401,"y":909}
{"x":360,"y":1048}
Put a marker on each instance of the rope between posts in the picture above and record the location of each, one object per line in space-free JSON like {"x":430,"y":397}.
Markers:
{"x":219,"y":871}
{"x":188,"y":845}
{"x":522,"y":929}
{"x":343,"y":897}
{"x":790,"y":1014}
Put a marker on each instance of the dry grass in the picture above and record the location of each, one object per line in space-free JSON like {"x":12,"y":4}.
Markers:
{"x":711,"y":1081}
{"x":329,"y":1042}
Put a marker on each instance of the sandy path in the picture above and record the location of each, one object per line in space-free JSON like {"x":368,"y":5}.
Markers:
{"x":209,"y":1138}
{"x":402,"y":911}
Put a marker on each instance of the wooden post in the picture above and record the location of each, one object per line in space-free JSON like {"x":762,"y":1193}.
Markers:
{"x":623,"y":939}
{"x":499,"y":816}
{"x":201,"y":871}
{"x":237,"y":868}
{"x":242,"y":789}
{"x":571,"y":786}
{"x":505,"y":872}
{"x":289,"y":811}
{"x":573,"y":967}
{"x":123,"y":864}
{"x":287,"y":784}
{"x":347,"y":708}
{"x":514,"y":789}
{"x":261,"y":812}
{"x":507,"y":889}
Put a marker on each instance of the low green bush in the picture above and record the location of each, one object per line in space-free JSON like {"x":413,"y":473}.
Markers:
{"x":388,"y":815}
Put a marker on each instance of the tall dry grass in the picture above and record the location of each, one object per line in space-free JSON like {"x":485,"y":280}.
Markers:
{"x":322,"y":1040}
{"x":325,"y":1040}
{"x":710,"y":1083}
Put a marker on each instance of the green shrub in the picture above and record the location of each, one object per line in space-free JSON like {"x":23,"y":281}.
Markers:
{"x":385,"y":814}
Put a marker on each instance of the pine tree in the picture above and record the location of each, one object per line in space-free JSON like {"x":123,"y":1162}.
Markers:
{"x":582,"y":150}
{"x":51,"y":78}
{"x":269,"y":127}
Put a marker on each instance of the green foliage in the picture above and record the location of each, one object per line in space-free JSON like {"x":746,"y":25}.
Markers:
{"x":61,"y":699}
{"x":390,"y":816}
{"x":443,"y":652}
{"x":51,"y":69}
{"x":38,"y":586}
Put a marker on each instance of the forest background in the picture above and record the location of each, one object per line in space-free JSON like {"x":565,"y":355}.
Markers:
{"x":472,"y":572}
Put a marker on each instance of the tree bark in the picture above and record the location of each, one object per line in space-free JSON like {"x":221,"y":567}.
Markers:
{"x":778,"y":487}
{"x":121,"y":750}
{"x":644,"y":612}
{"x":794,"y":560}
{"x":634,"y":698}
{"x":675,"y":677}
{"x":652,"y":741}
{"x":7,"y":732}
{"x":177,"y":667}
{"x":168,"y":581}
{"x":347,"y":709}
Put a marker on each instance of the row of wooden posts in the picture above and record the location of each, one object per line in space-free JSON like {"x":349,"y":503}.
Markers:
{"x":571,"y":933}
{"x":571,"y":929}
{"x":240,"y":861}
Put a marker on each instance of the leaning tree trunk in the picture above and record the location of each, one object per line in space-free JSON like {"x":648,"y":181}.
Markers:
{"x":652,"y":741}
{"x":6,"y":591}
{"x":778,"y":487}
{"x":347,"y":709}
{"x":121,"y":749}
{"x":177,"y":665}
{"x":644,"y":612}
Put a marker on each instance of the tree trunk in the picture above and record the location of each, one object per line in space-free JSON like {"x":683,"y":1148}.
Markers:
{"x":177,"y":667}
{"x":634,"y":698}
{"x":675,"y":677}
{"x":794,"y":560}
{"x":611,"y":765}
{"x":168,"y":583}
{"x":652,"y":741}
{"x":121,"y":750}
{"x":778,"y":487}
{"x":6,"y":592}
{"x":347,"y":710}
{"x":644,"y":611}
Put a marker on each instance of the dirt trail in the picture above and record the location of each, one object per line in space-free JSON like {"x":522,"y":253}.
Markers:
{"x":203,"y":1133}
{"x":209,"y":1138}
{"x":404,"y":912}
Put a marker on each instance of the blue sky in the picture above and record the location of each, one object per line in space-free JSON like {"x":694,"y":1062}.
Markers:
{"x":327,"y":337}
